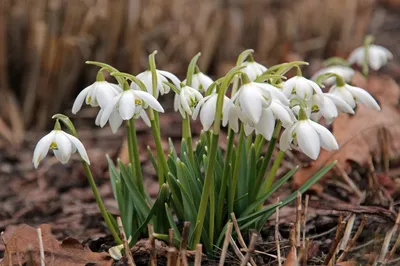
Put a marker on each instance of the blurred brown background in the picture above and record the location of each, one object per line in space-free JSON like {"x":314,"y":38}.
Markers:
{"x":44,"y":43}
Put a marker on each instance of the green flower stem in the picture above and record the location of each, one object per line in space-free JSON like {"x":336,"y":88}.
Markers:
{"x":100,"y":203}
{"x":187,"y":135}
{"x":271,"y":176}
{"x":234,"y":181}
{"x":212,"y":212}
{"x":268,"y":154}
{"x":260,"y":140}
{"x":160,"y":152}
{"x":367,"y":42}
{"x":130,"y":151}
{"x":206,"y":189}
{"x":135,"y":155}
{"x":224,"y":181}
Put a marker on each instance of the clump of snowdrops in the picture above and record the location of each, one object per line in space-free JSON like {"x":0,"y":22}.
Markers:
{"x":202,"y":183}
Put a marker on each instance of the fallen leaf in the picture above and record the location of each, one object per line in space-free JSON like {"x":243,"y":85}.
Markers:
{"x":347,"y":263}
{"x":68,"y":252}
{"x":358,"y":135}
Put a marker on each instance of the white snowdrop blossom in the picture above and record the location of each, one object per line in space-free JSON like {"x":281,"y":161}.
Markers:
{"x":346,"y":73}
{"x":200,"y":82}
{"x":353,"y":95}
{"x":98,"y":94}
{"x":186,"y":100}
{"x":207,"y":108}
{"x":309,"y":136}
{"x":300,"y":88}
{"x":253,"y":69}
{"x":162,"y":76}
{"x":327,"y":105}
{"x":62,"y":144}
{"x":128,"y":104}
{"x":378,"y":56}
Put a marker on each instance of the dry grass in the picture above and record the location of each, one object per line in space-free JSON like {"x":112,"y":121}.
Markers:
{"x":44,"y":43}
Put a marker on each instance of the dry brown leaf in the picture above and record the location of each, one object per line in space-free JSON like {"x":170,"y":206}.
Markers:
{"x":68,"y":252}
{"x":347,"y":263}
{"x":358,"y":135}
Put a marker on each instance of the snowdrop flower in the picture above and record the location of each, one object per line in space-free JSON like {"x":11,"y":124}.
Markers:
{"x":378,"y":56}
{"x":346,"y":73}
{"x":352,"y":95}
{"x":186,"y":100}
{"x":266,"y":125}
{"x":207,"y":108}
{"x":327,"y":105}
{"x":162,"y":76}
{"x":301,"y":88}
{"x":128,"y":104}
{"x":62,"y":144}
{"x":253,"y":69}
{"x":309,"y":136}
{"x":97,"y":94}
{"x":200,"y":82}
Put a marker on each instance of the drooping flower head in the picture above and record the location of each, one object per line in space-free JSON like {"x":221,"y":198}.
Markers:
{"x":345,"y":72}
{"x":300,"y":88}
{"x":162,"y":77}
{"x":253,"y":69}
{"x":327,"y":105}
{"x":62,"y":144}
{"x":97,"y":94}
{"x":186,"y":100}
{"x":353,"y":95}
{"x":309,"y":136}
{"x":377,"y":56}
{"x":129,"y":103}
{"x":200,"y":82}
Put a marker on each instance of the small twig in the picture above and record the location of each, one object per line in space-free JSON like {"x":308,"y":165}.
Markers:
{"x":128,"y":252}
{"x":6,"y":249}
{"x":41,"y":249}
{"x":291,"y":258}
{"x":240,"y":237}
{"x":172,"y":256}
{"x":386,"y":242}
{"x":347,"y":232}
{"x":338,"y":237}
{"x":226,"y":244}
{"x":29,"y":254}
{"x":250,"y":250}
{"x":171,"y":237}
{"x":304,"y":219}
{"x":153,"y":255}
{"x":395,"y":246}
{"x":278,"y":248}
{"x":298,"y":219}
{"x":354,"y":239}
{"x":348,"y":180}
{"x":305,"y":249}
{"x":199,"y":253}
{"x":236,"y":249}
{"x":184,"y":241}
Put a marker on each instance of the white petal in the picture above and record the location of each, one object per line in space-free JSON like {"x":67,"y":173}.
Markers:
{"x":145,"y":118}
{"x":184,"y":101}
{"x":281,"y":113}
{"x":80,"y":99}
{"x":115,"y":121}
{"x":105,"y":92}
{"x":274,"y":91}
{"x":327,"y":139}
{"x":207,"y":114}
{"x":248,"y":129}
{"x":308,"y":139}
{"x":287,"y":138}
{"x":108,"y":110}
{"x":127,"y":105}
{"x":64,"y":146}
{"x":340,"y":104}
{"x":177,"y":102}
{"x":233,"y":118}
{"x":344,"y":94}
{"x":42,"y":148}
{"x":364,"y":97}
{"x":267,"y":124}
{"x":250,"y":101}
{"x":329,"y":110}
{"x":98,"y":117}
{"x":205,"y":81}
{"x":150,"y":100}
{"x":79,"y":146}
{"x":144,"y":77}
{"x":170,"y":76}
